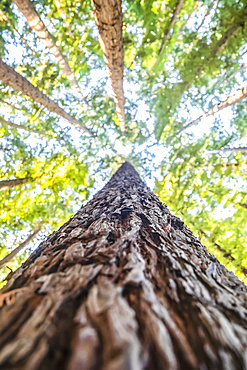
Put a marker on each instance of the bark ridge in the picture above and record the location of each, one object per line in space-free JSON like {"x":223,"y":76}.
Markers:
{"x":109,"y":19}
{"x":123,"y":284}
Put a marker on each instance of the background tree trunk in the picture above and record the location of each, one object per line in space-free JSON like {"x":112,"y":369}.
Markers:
{"x":8,"y":184}
{"x":123,"y":285}
{"x":232,"y":99}
{"x":5,"y":123}
{"x":22,"y":245}
{"x":34,"y":21}
{"x":109,"y":19}
{"x":9,"y":76}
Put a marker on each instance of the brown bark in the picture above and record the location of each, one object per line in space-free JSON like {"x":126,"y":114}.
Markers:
{"x":232,"y":99}
{"x":9,"y":76}
{"x":7,"y":184}
{"x":34,"y":21}
{"x":109,"y":19}
{"x":22,"y":245}
{"x":240,"y":149}
{"x":124,"y":284}
{"x":22,"y":127}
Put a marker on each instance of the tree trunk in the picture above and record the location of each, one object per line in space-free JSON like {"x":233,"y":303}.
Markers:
{"x":232,"y":99}
{"x":22,"y":127}
{"x":187,"y":20}
{"x":34,"y":21}
{"x":7,"y":20}
{"x":124,"y":284}
{"x":22,"y":245}
{"x":109,"y":19}
{"x":7,"y":184}
{"x":9,"y":76}
{"x":174,"y":17}
{"x":240,"y":149}
{"x":207,"y":14}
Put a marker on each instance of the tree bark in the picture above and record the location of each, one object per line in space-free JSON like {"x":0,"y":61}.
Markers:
{"x":22,"y":127}
{"x":109,"y":19}
{"x":232,"y":99}
{"x":7,"y":184}
{"x":22,"y":245}
{"x":34,"y":21}
{"x":240,"y":149}
{"x":9,"y":76}
{"x":124,"y":284}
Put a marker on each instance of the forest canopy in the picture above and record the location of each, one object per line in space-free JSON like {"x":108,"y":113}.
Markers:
{"x":172,"y":103}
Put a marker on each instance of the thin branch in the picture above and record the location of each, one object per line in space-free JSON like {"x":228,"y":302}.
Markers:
{"x":166,"y":37}
{"x":187,"y":20}
{"x":232,"y":99}
{"x":7,"y":184}
{"x":242,"y":149}
{"x":22,"y":127}
{"x":206,"y":15}
{"x":7,"y":20}
{"x":12,"y":254}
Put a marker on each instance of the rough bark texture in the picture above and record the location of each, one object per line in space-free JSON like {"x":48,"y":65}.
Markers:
{"x":9,"y":76}
{"x":232,"y":99}
{"x":7,"y":184}
{"x":109,"y":19}
{"x":123,"y":285}
{"x":34,"y":21}
{"x":22,"y":245}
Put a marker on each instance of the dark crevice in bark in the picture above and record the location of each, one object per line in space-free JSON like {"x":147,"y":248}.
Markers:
{"x":123,"y":285}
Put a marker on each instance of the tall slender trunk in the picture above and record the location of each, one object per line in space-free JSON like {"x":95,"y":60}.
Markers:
{"x":5,"y":123}
{"x":206,"y":15}
{"x":22,"y":245}
{"x":232,"y":99}
{"x":241,"y":68}
{"x":9,"y":76}
{"x":187,"y":20}
{"x":124,"y":284}
{"x":239,"y":149}
{"x":8,"y":184}
{"x":109,"y":19}
{"x":167,"y":34}
{"x":7,"y":20}
{"x":34,"y":21}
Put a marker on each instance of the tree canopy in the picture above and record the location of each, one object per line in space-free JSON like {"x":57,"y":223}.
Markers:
{"x":181,"y":60}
